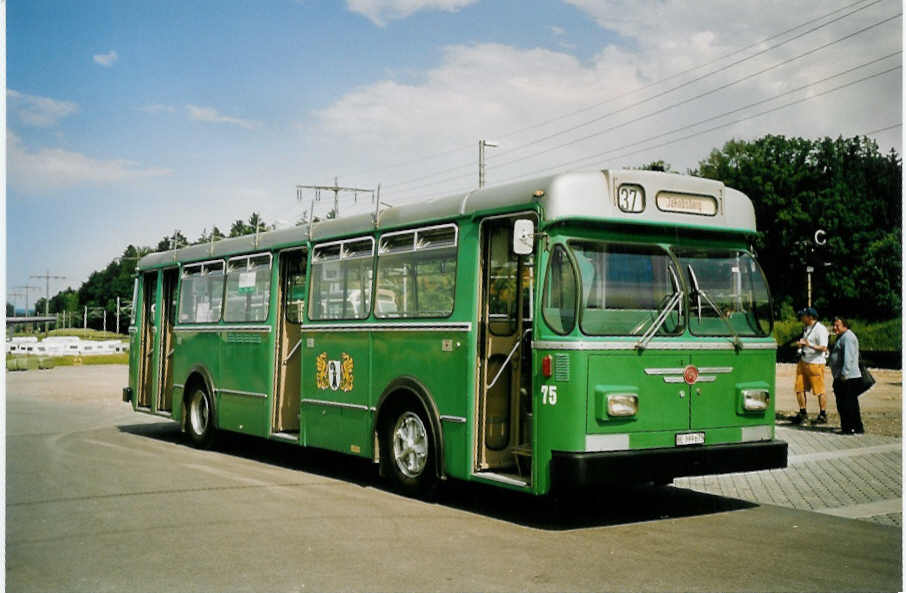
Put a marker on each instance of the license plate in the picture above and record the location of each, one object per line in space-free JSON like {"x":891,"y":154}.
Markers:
{"x":690,"y":438}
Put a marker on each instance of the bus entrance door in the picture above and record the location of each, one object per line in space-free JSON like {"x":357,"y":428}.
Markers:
{"x":288,"y":380}
{"x":503,"y":435}
{"x":167,"y":319}
{"x":148,"y":320}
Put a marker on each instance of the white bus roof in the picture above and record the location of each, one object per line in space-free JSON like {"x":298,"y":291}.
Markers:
{"x":670,"y":200}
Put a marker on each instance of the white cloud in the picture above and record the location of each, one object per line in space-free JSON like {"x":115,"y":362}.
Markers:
{"x":106,"y":60}
{"x":157,"y":108}
{"x":557,"y":30}
{"x":381,"y":11}
{"x":492,"y":90}
{"x":38,"y":111}
{"x":51,"y":169}
{"x":211,"y":115}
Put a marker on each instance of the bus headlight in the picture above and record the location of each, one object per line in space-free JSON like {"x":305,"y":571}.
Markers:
{"x":622,"y":404}
{"x":755,"y":400}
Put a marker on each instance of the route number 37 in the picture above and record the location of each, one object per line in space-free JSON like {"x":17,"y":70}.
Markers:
{"x":631,"y":198}
{"x":549,"y":395}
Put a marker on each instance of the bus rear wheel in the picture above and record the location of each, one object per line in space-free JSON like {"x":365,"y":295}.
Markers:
{"x":200,"y":421}
{"x":407,"y":450}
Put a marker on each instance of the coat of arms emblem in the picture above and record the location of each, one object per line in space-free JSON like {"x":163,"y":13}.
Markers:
{"x":336,"y":375}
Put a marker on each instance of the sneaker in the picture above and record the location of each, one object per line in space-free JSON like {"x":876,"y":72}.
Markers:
{"x":799,"y":418}
{"x":820,"y":418}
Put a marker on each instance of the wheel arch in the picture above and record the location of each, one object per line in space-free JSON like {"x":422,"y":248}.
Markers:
{"x":399,"y":390}
{"x":199,"y":374}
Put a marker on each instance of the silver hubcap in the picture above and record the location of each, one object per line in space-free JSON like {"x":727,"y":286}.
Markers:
{"x":199,"y":413}
{"x":410,"y":445}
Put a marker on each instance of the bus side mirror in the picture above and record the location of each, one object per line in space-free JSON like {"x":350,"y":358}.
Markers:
{"x":523,"y":236}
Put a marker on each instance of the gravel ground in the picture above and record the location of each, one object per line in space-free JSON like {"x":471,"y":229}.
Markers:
{"x":882,"y":406}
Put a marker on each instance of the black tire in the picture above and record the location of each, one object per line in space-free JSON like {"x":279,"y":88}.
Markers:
{"x":407,"y":450}
{"x":200,"y":418}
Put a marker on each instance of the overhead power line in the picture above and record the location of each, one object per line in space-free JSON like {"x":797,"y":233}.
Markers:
{"x":429,"y":157}
{"x":714,"y":128}
{"x":646,"y":100}
{"x":612,"y":128}
{"x":726,"y":124}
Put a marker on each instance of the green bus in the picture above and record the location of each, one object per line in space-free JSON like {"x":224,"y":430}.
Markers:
{"x":586,"y":328}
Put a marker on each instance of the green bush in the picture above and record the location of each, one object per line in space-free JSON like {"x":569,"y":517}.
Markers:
{"x":885,"y":336}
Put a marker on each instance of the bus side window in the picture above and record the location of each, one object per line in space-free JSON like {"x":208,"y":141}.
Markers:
{"x":342,"y":274}
{"x":201,"y":293}
{"x":248,"y":289}
{"x":417,"y":273}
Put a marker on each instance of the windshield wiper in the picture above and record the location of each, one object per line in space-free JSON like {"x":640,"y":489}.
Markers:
{"x":701,"y":294}
{"x":663,"y":313}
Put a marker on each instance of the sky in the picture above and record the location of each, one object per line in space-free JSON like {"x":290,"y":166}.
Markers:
{"x":129,"y":119}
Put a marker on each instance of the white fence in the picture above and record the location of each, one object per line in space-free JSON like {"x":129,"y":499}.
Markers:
{"x":64,"y":346}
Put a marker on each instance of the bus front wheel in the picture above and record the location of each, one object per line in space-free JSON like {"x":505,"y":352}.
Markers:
{"x":201,"y":419}
{"x":407,"y":450}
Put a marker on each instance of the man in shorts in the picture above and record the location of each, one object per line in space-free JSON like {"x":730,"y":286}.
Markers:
{"x":810,"y":370}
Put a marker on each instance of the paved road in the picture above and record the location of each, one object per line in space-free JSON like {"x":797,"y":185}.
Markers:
{"x":102,"y":499}
{"x":858,"y":476}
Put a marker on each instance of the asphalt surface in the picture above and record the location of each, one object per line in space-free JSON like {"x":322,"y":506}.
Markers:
{"x":103,"y":499}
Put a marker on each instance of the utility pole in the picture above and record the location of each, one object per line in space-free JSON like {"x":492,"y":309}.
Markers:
{"x":47,"y":278}
{"x":336,"y":189}
{"x":26,"y":289}
{"x":117,"y":315}
{"x":85,"y":318}
{"x":105,"y":320}
{"x":809,"y":270}
{"x":482,"y":144}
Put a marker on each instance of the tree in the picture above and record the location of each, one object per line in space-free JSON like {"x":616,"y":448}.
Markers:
{"x":10,"y":309}
{"x":656,"y":166}
{"x":844,"y":186}
{"x":174,"y":241}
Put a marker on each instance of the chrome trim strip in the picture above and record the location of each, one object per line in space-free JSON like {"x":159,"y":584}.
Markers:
{"x":498,"y":478}
{"x":715,"y":370}
{"x":756,"y":433}
{"x":667,"y":371}
{"x":163,"y":413}
{"x":357,"y":327}
{"x":223,"y":328}
{"x":238,"y":392}
{"x":286,"y":437}
{"x":455,"y":419}
{"x":606,"y":442}
{"x":331,"y":404}
{"x":613,"y":345}
{"x":701,"y":379}
{"x":179,"y":386}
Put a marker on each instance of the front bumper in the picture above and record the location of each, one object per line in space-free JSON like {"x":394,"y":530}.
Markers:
{"x":127,"y":394}
{"x":573,"y":470}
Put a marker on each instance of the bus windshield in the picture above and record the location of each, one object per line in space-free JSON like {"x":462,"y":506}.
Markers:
{"x":728,"y":293}
{"x":625,"y":288}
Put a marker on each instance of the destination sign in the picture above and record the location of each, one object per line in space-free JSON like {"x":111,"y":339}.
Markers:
{"x":686,"y":203}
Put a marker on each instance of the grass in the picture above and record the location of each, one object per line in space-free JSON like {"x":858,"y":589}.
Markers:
{"x":30,"y":363}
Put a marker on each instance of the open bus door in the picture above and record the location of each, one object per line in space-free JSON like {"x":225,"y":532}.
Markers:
{"x":504,"y":409}
{"x":146,"y":378}
{"x":167,"y":320}
{"x":288,"y":380}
